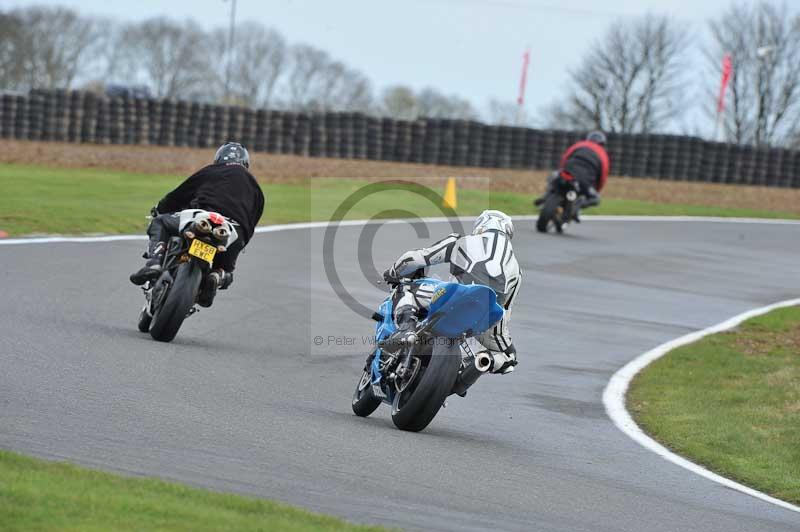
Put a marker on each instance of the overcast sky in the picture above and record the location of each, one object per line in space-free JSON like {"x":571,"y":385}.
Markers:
{"x":469,"y":47}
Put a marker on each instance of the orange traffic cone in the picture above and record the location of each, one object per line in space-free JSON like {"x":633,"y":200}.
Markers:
{"x":449,"y":201}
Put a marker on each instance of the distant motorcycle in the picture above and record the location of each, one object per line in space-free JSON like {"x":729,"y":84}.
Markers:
{"x":560,"y":203}
{"x":416,"y":379}
{"x":172,"y":297}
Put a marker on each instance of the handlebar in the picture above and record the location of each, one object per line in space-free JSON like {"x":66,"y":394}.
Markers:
{"x":394,"y":284}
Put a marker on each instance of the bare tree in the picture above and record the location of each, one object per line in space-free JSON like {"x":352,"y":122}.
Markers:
{"x":45,"y":47}
{"x":307,"y":65}
{"x":258,"y":58}
{"x":342,"y":88}
{"x":630,"y":81}
{"x":434,"y":104}
{"x":12,"y":51}
{"x":764,"y":98}
{"x":174,"y":60}
{"x":398,"y":102}
{"x":316,"y":82}
{"x":355,"y":91}
{"x":54,"y":47}
{"x":401,"y":102}
{"x":113,"y":61}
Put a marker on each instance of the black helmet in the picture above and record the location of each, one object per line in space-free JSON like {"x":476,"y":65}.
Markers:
{"x":598,"y":137}
{"x":232,"y":153}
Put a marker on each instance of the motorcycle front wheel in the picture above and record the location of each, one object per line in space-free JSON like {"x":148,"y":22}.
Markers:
{"x":364,"y":400}
{"x":548,"y":213}
{"x":144,"y":320}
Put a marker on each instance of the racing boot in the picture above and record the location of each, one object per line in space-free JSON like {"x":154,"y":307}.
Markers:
{"x":208,"y":289}
{"x":152,"y":268}
{"x":590,"y":199}
{"x":216,"y":280}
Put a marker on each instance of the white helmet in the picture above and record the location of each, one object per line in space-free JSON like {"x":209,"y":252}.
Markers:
{"x":494,"y":220}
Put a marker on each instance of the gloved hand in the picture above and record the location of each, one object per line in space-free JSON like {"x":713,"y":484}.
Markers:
{"x":153,"y":212}
{"x":390,"y":276}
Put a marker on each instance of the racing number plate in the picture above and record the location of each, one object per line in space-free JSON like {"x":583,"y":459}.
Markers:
{"x":201,"y":250}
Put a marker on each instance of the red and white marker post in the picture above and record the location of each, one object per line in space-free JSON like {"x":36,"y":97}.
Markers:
{"x":523,"y":82}
{"x":727,"y":70}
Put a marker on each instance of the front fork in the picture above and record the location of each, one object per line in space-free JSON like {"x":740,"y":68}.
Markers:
{"x":406,"y":359}
{"x":155,"y":291}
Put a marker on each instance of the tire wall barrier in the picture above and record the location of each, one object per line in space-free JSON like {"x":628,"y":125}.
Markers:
{"x":85,"y":117}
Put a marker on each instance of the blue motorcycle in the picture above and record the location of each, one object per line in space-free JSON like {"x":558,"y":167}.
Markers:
{"x":417,"y":379}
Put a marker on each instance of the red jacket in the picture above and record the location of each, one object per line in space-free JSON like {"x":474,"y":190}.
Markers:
{"x":588,"y":162}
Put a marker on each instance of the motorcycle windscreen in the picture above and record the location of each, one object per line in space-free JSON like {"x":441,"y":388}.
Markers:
{"x":460,"y":309}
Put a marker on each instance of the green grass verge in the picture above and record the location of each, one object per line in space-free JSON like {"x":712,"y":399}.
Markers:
{"x":731,"y":402}
{"x":41,"y":495}
{"x":74,"y":201}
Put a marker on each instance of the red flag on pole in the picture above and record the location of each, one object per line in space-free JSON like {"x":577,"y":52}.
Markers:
{"x":524,"y":78}
{"x":727,"y":69}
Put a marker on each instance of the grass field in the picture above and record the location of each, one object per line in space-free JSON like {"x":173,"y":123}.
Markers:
{"x":731,"y":402}
{"x":39,"y":495}
{"x":40,"y":199}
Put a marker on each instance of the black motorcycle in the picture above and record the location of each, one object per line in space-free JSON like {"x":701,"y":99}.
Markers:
{"x":560,"y":204}
{"x":172,"y":297}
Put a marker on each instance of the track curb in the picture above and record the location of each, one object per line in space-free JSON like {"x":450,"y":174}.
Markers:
{"x":616,"y":390}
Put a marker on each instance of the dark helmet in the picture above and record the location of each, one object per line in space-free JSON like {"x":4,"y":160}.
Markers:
{"x":232,"y":153}
{"x":598,"y":137}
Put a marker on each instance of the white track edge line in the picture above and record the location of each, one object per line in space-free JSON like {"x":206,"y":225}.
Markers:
{"x":348,"y":223}
{"x":616,"y":390}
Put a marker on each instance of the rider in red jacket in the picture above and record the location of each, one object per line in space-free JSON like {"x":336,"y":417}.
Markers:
{"x":587,"y":163}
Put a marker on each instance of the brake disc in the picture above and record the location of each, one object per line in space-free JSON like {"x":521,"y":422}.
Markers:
{"x":401,"y":382}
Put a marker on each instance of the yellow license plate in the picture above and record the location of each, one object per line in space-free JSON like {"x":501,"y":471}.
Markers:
{"x":201,"y":250}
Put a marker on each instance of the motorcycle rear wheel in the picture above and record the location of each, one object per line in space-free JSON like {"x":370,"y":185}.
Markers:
{"x":179,"y":301}
{"x":414,"y":409}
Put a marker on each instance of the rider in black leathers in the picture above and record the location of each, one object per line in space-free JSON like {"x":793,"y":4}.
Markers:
{"x":226,"y":187}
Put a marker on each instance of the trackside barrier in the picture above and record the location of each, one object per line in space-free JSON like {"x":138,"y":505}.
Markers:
{"x":75,"y":116}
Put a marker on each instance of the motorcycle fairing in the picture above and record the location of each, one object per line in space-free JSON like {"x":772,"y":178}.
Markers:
{"x":382,"y":331}
{"x":458,"y":309}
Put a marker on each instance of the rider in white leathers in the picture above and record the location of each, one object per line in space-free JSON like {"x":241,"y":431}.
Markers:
{"x":484,"y":257}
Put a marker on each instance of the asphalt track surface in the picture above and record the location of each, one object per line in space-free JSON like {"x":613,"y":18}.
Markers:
{"x":244,"y":401}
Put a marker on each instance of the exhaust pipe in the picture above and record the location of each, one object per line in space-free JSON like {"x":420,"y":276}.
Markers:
{"x":484,"y":361}
{"x":466,"y":378}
